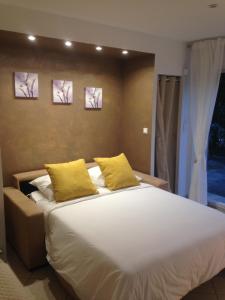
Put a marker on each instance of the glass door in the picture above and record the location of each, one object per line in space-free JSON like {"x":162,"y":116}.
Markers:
{"x":216,"y":151}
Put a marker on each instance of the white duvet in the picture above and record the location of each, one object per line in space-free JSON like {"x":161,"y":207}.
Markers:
{"x":137,"y":244}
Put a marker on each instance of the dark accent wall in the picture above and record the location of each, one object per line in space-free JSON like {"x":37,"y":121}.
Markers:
{"x":34,"y":132}
{"x":137,"y":111}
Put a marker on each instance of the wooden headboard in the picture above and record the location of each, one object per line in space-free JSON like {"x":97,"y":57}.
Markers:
{"x":21,"y":180}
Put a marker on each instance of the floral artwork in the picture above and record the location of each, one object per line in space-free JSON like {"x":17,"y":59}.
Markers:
{"x":62,"y":91}
{"x":26,"y":85}
{"x":93,"y":98}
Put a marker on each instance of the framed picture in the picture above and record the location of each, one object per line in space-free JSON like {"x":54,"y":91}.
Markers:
{"x":93,"y":98}
{"x":62,"y":91}
{"x":26,"y":85}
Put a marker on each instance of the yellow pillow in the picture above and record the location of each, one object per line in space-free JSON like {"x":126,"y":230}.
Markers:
{"x":70,"y":180}
{"x":117,"y":172}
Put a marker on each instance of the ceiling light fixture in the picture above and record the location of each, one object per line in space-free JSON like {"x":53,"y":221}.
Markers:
{"x":124,"y":52}
{"x":213,"y":5}
{"x":98,"y":48}
{"x":31,"y":38}
{"x":68,"y":44}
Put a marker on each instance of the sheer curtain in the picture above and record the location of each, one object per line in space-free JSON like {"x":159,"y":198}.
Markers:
{"x":205,"y":69}
{"x":166,"y":128}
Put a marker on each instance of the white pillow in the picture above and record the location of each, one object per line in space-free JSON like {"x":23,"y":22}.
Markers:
{"x":44,"y":185}
{"x":97,"y":177}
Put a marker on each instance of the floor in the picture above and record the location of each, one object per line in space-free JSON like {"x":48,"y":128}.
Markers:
{"x":44,"y":285}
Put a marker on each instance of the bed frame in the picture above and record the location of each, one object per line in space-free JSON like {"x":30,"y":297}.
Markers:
{"x":25,"y":229}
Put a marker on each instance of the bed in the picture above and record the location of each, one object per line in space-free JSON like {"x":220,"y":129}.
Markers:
{"x":136,"y":243}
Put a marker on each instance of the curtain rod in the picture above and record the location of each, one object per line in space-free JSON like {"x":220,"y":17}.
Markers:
{"x":168,"y":79}
{"x":189,"y":44}
{"x":169,"y":76}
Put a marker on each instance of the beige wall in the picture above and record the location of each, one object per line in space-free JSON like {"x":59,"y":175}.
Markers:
{"x":34,"y":132}
{"x":138,"y":76}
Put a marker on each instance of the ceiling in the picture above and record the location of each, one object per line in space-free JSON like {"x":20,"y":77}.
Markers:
{"x":184,"y":20}
{"x":15,"y":39}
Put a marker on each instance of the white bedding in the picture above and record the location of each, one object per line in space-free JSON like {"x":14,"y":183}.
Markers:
{"x":137,"y":244}
{"x":48,"y":205}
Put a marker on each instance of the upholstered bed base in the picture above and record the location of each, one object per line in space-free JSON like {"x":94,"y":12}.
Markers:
{"x":25,"y":227}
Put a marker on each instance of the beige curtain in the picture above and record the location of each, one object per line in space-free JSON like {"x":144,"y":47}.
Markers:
{"x":166,"y":128}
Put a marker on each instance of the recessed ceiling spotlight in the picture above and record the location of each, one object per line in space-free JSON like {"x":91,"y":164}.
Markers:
{"x":124,"y":52}
{"x":31,"y":38}
{"x":213,"y":5}
{"x":98,"y":48}
{"x":68,"y":44}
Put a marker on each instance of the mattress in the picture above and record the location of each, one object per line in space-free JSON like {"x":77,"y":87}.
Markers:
{"x":140,"y":243}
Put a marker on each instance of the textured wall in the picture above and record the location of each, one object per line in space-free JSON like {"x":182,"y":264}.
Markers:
{"x":34,"y":132}
{"x":2,"y":216}
{"x":137,"y":111}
